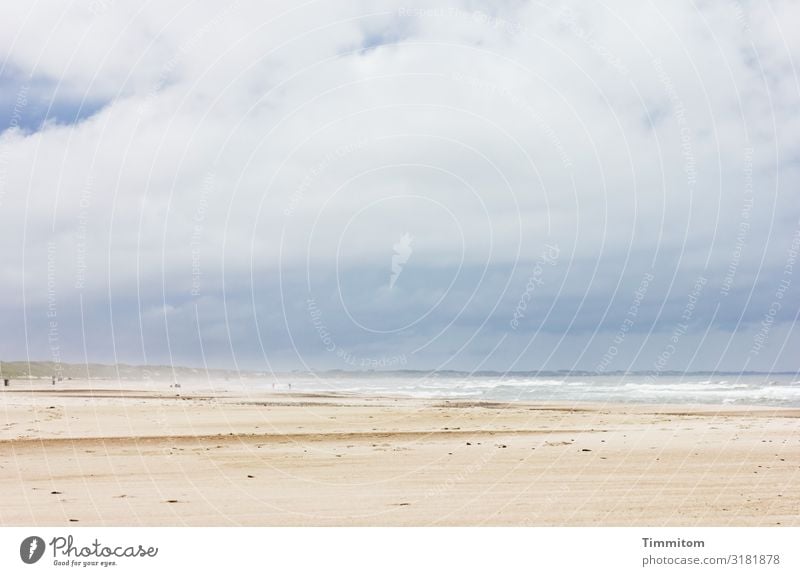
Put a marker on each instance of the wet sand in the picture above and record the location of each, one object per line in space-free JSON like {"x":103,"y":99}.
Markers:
{"x":144,"y":454}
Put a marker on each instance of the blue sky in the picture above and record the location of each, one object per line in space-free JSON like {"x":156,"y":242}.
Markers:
{"x":27,"y":103}
{"x":360,"y":185}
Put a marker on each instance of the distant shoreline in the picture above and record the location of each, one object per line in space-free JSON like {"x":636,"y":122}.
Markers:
{"x":47,"y":369}
{"x":706,"y":395}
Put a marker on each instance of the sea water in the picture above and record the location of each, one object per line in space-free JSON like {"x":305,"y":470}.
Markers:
{"x":689,"y":388}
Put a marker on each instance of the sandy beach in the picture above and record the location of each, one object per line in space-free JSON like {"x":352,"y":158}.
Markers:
{"x":143,"y":454}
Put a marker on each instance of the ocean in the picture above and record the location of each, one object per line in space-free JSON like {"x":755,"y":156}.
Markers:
{"x":690,"y":388}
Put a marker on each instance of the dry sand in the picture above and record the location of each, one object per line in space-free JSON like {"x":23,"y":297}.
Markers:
{"x":110,"y":454}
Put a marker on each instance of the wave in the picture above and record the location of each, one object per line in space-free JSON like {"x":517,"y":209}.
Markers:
{"x":651,"y":389}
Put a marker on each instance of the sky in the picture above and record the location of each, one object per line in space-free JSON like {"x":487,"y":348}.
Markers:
{"x":386,"y":185}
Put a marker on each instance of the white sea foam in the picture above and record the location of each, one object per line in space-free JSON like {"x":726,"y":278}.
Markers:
{"x":769,"y":390}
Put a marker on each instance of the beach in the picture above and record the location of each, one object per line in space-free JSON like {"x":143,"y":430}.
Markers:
{"x":108,"y":453}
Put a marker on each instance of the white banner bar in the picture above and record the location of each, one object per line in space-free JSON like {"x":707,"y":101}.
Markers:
{"x":401,"y":551}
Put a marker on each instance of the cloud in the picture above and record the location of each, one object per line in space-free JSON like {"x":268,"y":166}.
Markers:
{"x":207,"y":172}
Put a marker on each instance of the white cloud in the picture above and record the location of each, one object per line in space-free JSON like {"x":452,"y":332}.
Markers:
{"x":296,"y":139}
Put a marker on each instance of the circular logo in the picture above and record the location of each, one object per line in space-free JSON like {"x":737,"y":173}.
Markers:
{"x":31,"y":549}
